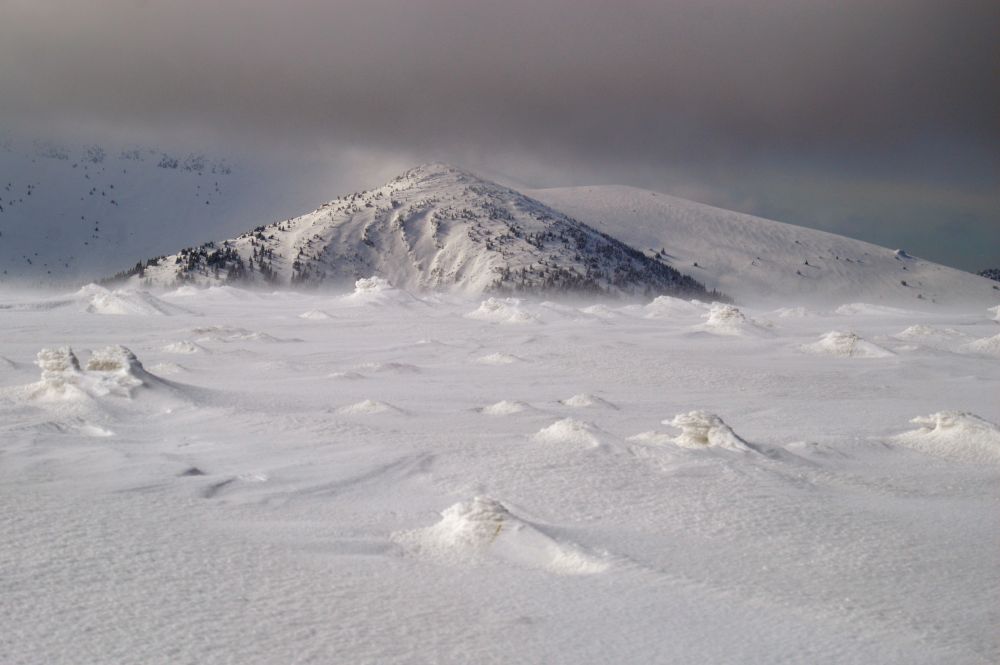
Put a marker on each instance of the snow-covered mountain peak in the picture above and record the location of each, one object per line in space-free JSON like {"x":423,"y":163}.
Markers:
{"x":433,"y":227}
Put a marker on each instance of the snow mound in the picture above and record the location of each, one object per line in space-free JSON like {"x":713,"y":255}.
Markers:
{"x":701,"y":429}
{"x":484,"y":528}
{"x":723,"y":319}
{"x":846,"y":345}
{"x":376,"y":291}
{"x":987,"y":346}
{"x":504,"y":408}
{"x":123,"y":302}
{"x":995,"y":311}
{"x":569,"y":430}
{"x":955,"y":435}
{"x":497,"y":359}
{"x":113,"y":370}
{"x":185,"y":348}
{"x":502,"y":310}
{"x":367,"y":407}
{"x":583,"y":400}
{"x":600,"y":311}
{"x":315,"y":315}
{"x":667,"y":307}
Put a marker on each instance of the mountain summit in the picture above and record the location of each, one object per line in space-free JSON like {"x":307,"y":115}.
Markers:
{"x":433,"y":227}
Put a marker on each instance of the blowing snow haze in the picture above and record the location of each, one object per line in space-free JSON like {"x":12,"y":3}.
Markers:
{"x":873,"y":120}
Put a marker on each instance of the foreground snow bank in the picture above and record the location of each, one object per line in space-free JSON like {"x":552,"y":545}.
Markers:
{"x":955,"y":435}
{"x":485,"y":528}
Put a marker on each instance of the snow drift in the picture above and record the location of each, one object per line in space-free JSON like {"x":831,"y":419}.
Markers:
{"x":701,"y":429}
{"x":955,"y":435}
{"x":485,"y":528}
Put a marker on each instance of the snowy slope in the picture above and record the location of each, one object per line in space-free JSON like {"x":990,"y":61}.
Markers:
{"x":434,"y":227}
{"x":71,"y":213}
{"x":754,"y":259}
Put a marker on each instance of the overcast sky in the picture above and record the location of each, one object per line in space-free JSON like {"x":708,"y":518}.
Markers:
{"x":879,"y":119}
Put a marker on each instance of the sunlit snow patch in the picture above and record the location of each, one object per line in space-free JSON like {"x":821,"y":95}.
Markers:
{"x":484,"y":528}
{"x":502,"y":310}
{"x":504,"y":408}
{"x":569,"y":430}
{"x":701,"y":429}
{"x":955,"y":435}
{"x":846,"y":345}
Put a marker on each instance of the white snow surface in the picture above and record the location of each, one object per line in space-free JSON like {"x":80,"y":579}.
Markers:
{"x":446,"y":505}
{"x":761,"y":261}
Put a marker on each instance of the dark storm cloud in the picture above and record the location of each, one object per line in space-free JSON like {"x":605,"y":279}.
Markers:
{"x":628,"y":89}
{"x":575,"y":74}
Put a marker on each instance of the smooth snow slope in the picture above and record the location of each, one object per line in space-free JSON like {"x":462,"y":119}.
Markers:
{"x":204,"y":476}
{"x":759,"y":260}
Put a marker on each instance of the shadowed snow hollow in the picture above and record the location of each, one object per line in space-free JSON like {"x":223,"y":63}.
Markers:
{"x":846,"y":345}
{"x":955,"y":435}
{"x":700,"y":429}
{"x":485,"y":528}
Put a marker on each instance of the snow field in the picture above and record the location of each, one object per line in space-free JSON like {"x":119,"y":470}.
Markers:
{"x":627,"y":489}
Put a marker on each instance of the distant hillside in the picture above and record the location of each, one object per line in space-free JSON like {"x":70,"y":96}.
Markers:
{"x":755,"y":259}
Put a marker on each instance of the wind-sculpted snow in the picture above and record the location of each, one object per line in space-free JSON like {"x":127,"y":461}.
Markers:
{"x":701,"y":429}
{"x":987,"y":346}
{"x":571,"y":431}
{"x":783,"y":511}
{"x":723,"y":319}
{"x":111,"y":371}
{"x":846,"y":344}
{"x":123,"y":302}
{"x":503,"y":310}
{"x":955,"y":435}
{"x":484,"y":528}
